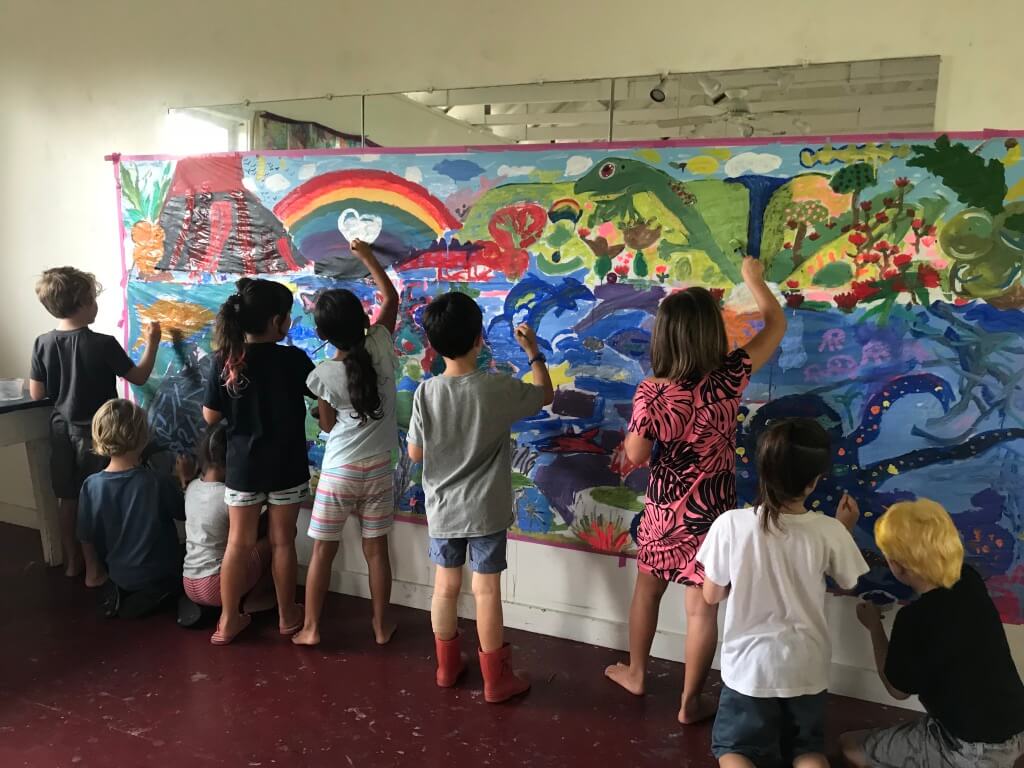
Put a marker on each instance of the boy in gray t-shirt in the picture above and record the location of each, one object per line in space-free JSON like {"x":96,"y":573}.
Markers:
{"x":460,"y":431}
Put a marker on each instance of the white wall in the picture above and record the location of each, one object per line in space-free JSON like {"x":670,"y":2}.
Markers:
{"x":79,"y":80}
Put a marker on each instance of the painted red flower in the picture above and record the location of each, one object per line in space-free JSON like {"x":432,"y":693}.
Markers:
{"x":787,"y":244}
{"x":791,"y":223}
{"x":902,"y":259}
{"x":846,"y":301}
{"x":717,"y":293}
{"x":931,"y":231}
{"x":888,"y":202}
{"x":813,"y":236}
{"x":870,"y":257}
{"x":864,"y":290}
{"x":917,"y":223}
{"x":793,"y":283}
{"x":621,"y":269}
{"x":881,"y":218}
{"x":890,"y":273}
{"x":858,"y":239}
{"x":927,"y":276}
{"x":661,"y":269}
{"x":865,"y":205}
{"x":794,"y":300}
{"x":882,"y":245}
{"x":902,"y":182}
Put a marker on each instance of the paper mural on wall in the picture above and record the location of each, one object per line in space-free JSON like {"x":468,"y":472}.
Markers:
{"x":899,"y":262}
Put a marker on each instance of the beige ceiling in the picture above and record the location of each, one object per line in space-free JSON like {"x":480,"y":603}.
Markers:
{"x":815,"y":99}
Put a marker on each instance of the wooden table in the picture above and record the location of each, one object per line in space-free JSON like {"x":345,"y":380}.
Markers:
{"x":27,"y":422}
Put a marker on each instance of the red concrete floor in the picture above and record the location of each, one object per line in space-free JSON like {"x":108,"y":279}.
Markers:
{"x":78,"y":690}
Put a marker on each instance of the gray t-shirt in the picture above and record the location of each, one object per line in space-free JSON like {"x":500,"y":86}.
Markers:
{"x":206,"y":529}
{"x":462,"y":424}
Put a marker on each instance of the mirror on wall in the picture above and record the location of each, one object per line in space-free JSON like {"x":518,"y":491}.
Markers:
{"x":815,"y":99}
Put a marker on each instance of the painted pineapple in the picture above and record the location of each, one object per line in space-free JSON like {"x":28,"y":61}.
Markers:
{"x":142,"y":214}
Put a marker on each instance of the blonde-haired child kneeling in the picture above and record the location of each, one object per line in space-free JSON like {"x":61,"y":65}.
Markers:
{"x":126,"y":515}
{"x":948,"y":647}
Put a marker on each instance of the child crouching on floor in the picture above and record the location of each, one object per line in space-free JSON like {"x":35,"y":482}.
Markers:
{"x":948,"y":647}
{"x":206,"y":536}
{"x":126,"y":515}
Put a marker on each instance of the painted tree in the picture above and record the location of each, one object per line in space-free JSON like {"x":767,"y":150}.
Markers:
{"x":852,"y":180}
{"x":801,"y":217}
{"x":640,"y":265}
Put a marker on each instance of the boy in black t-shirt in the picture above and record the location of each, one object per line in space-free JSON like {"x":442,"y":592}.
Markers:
{"x":77,"y":368}
{"x":948,"y":647}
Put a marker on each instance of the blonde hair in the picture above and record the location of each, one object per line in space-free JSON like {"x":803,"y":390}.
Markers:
{"x":65,"y":290}
{"x":119,"y":427}
{"x":689,"y":339}
{"x":920,"y":536}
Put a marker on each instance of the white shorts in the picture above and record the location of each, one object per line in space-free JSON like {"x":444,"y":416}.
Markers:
{"x":365,"y":489}
{"x":294,"y":495}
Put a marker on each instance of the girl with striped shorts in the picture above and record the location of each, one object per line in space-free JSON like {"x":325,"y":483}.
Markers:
{"x":356,"y":392}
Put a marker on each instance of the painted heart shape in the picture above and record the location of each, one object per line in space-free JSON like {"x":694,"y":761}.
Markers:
{"x":359,"y":226}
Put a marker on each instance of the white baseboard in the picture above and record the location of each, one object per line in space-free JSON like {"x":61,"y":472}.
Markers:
{"x":845,"y":680}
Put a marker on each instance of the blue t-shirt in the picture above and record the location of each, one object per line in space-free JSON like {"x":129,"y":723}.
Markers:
{"x":128,"y":517}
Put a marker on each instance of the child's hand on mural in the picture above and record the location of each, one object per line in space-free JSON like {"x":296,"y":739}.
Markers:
{"x":752,"y":271}
{"x":527,"y":339}
{"x":848,"y":513}
{"x":361,"y":249}
{"x":153,"y":333}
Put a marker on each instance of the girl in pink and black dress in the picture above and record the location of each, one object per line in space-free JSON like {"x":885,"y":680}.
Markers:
{"x":689,"y":408}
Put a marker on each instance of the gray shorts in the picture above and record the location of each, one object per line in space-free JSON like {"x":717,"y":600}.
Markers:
{"x":924,"y":743}
{"x":71,"y":459}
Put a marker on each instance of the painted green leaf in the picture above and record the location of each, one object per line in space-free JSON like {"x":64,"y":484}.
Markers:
{"x":977,"y":182}
{"x":833,"y":275}
{"x":1015,"y":222}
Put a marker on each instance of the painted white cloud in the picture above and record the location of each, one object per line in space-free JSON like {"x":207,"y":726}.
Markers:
{"x":277,"y":183}
{"x":414,"y":174}
{"x":741,"y":300}
{"x":752,"y":162}
{"x":577,"y":164}
{"x":307,"y":171}
{"x":249,"y":183}
{"x":368,"y":158}
{"x":515,"y":170}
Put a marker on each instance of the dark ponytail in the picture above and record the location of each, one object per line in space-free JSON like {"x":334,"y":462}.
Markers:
{"x":791,"y":455}
{"x":249,"y":310}
{"x":341,"y":320}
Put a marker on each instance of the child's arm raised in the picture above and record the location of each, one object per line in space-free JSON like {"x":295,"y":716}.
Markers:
{"x":871,"y":617}
{"x":763,"y":345}
{"x":140,"y":374}
{"x":527,"y":339}
{"x":387,"y":316}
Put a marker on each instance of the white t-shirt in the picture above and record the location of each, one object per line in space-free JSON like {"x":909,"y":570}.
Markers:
{"x":349,"y":440}
{"x":776,"y":640}
{"x":206,"y":529}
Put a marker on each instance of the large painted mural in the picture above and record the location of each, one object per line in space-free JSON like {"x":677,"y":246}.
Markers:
{"x":899,"y":261}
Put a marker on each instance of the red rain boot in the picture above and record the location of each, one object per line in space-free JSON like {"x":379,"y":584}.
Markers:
{"x":500,"y":682}
{"x":451,"y":662}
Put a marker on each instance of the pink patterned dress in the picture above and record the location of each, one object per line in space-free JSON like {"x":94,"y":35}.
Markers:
{"x":693,"y":473}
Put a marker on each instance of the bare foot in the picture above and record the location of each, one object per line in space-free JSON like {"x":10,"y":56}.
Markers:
{"x":97,"y":579}
{"x":228,"y":628}
{"x":697,"y":710}
{"x":74,"y":568}
{"x":307,"y":636}
{"x":291,"y":620}
{"x":385,"y":632}
{"x":624,"y":675}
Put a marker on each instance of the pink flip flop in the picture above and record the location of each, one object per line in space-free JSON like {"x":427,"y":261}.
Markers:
{"x":219,"y":638}
{"x":293,"y":629}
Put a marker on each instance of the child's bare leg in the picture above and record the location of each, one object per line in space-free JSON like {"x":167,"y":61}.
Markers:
{"x":852,"y":746}
{"x":68,"y":517}
{"x":95,"y":572}
{"x":444,"y":606}
{"x":242,"y":528}
{"x":733,"y":760}
{"x":261,"y":597}
{"x":811,"y":760}
{"x":284,"y":562}
{"x":643,"y":623}
{"x":490,"y":623}
{"x":318,"y":580}
{"x":701,"y":641}
{"x":378,"y":563}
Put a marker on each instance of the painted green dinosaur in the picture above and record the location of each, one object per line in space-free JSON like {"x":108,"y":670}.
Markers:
{"x":615,"y":180}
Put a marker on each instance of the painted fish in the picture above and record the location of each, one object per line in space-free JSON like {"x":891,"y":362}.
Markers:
{"x":852,"y":153}
{"x":578,"y":442}
{"x":178,"y":319}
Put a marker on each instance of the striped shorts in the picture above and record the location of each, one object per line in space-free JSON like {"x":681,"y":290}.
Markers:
{"x":364,"y":488}
{"x":206,"y":590}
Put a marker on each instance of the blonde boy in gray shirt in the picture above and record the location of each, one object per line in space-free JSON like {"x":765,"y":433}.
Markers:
{"x":460,"y":430}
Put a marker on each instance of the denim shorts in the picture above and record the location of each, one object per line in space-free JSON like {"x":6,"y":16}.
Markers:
{"x":486,"y":553}
{"x":769,"y":732}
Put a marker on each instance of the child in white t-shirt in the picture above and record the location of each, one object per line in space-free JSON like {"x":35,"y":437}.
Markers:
{"x":771,"y":562}
{"x":356,"y":393}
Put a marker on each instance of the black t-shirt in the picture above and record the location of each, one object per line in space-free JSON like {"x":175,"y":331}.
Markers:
{"x":129,"y":517}
{"x":79,"y":369}
{"x":266,"y":420}
{"x":949,"y":647}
